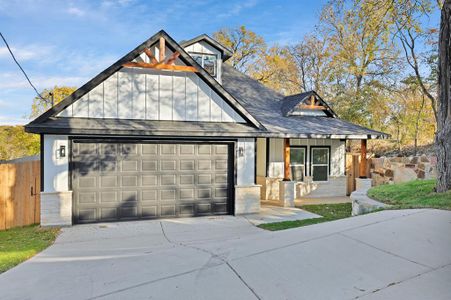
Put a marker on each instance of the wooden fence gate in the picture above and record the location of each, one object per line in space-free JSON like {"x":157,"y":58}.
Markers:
{"x":352,"y":171}
{"x":19,"y":193}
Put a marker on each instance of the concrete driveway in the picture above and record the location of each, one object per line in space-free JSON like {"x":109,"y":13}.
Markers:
{"x":385,"y":255}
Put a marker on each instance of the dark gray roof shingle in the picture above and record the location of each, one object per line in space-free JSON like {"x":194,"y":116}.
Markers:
{"x":266,"y":106}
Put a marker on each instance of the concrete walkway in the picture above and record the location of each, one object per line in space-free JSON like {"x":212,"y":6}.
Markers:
{"x":272,"y":214}
{"x":385,"y":255}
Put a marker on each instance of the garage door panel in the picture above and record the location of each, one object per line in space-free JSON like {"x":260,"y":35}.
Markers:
{"x":149,"y":195}
{"x":129,"y":165}
{"x":87,"y":197}
{"x":108,"y":165}
{"x":114,"y":181}
{"x":186,"y":150}
{"x":149,"y":211}
{"x":186,"y":179}
{"x":107,"y":214}
{"x":108,"y":197}
{"x":107,"y":181}
{"x":128,"y":212}
{"x":129,"y":197}
{"x":129,"y":180}
{"x":149,"y":165}
{"x":149,"y":149}
{"x":168,"y":210}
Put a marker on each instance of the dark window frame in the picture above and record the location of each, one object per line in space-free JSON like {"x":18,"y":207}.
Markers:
{"x":328,"y":147}
{"x":305,"y":159}
{"x":192,"y":53}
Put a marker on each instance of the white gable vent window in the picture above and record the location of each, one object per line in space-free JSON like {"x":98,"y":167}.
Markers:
{"x":207,"y":61}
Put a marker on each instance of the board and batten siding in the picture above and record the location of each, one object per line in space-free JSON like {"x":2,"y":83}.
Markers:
{"x":146,"y":94}
{"x":337,"y":155}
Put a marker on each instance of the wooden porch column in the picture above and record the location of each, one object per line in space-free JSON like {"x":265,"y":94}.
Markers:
{"x":286,"y":160}
{"x":363,"y":163}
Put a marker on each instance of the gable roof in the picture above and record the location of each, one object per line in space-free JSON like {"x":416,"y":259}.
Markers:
{"x":171,"y":44}
{"x":291,"y":102}
{"x":226,"y":52}
{"x":267,"y":106}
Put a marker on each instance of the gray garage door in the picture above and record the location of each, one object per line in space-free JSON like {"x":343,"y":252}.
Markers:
{"x":126,"y":181}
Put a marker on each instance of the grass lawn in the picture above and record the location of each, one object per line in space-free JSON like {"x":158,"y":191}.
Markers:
{"x":19,"y":244}
{"x":329,"y":212}
{"x":413,"y":194}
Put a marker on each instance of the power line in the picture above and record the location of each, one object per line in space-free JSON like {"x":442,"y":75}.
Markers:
{"x":20,"y":67}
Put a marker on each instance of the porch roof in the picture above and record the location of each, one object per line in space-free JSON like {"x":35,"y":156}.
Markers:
{"x":266,"y":106}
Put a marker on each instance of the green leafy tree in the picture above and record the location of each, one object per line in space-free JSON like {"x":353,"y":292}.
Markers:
{"x":49,"y":97}
{"x":245,"y":45}
{"x":15,"y":143}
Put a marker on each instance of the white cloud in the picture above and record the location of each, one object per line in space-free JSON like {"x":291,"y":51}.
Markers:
{"x":11,"y":80}
{"x":76,"y":11}
{"x":237,"y":8}
{"x":29,"y":52}
{"x":5,"y":104}
{"x":7,"y":120}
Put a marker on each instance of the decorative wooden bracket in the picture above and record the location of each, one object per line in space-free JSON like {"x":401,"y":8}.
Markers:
{"x":164,"y":63}
{"x":312,"y":105}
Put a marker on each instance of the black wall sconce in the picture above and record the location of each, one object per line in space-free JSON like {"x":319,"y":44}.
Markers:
{"x":62,"y":151}
{"x":240,"y":151}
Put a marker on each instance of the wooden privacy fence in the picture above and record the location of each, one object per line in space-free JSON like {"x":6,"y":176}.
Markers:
{"x":352,"y":170}
{"x":19,"y":193}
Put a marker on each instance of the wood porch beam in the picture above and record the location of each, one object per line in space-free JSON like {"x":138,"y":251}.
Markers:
{"x":363,"y":160}
{"x":149,"y":54}
{"x":172,"y":58}
{"x":319,"y":107}
{"x":162,"y":49}
{"x":159,"y":66}
{"x":286,"y":160}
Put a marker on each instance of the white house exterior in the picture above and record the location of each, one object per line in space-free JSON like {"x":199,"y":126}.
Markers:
{"x":170,"y":130}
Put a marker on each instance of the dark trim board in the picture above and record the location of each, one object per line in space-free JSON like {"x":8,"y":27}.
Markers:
{"x":231,"y":163}
{"x":226,"y":53}
{"x":255,"y":160}
{"x":41,"y":155}
{"x":268,"y":145}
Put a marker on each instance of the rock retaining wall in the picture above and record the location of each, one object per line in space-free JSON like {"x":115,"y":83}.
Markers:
{"x":388,"y":170}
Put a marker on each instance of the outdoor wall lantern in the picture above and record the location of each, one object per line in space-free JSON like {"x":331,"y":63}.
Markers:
{"x":62,"y":151}
{"x":240,"y":151}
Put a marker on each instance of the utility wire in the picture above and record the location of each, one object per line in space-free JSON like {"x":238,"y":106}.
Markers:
{"x":20,"y":67}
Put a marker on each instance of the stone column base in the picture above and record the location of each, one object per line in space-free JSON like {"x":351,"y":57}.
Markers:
{"x":287,"y":193}
{"x":56,"y":208}
{"x":247,"y":199}
{"x":362,"y":185}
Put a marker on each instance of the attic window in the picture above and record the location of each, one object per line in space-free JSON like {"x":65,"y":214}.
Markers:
{"x":206,"y":61}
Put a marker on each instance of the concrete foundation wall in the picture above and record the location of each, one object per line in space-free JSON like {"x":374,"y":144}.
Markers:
{"x":247,"y":199}
{"x":56,"y":209}
{"x":336,"y":186}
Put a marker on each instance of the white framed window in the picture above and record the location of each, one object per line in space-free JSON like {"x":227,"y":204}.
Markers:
{"x":206,"y":61}
{"x":320,"y":163}
{"x":297,"y":162}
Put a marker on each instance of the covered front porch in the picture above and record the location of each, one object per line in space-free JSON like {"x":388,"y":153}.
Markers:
{"x":295,"y":172}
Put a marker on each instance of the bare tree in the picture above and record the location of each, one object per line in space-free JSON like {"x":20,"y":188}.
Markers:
{"x":408,"y":39}
{"x":443,"y":136}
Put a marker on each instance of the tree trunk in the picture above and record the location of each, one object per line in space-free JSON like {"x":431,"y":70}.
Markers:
{"x":417,"y":125}
{"x":443,"y":135}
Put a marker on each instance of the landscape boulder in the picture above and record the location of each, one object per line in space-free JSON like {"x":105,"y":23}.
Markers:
{"x":403,"y":174}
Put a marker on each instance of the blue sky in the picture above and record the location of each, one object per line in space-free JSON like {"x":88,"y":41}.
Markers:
{"x":69,"y":42}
